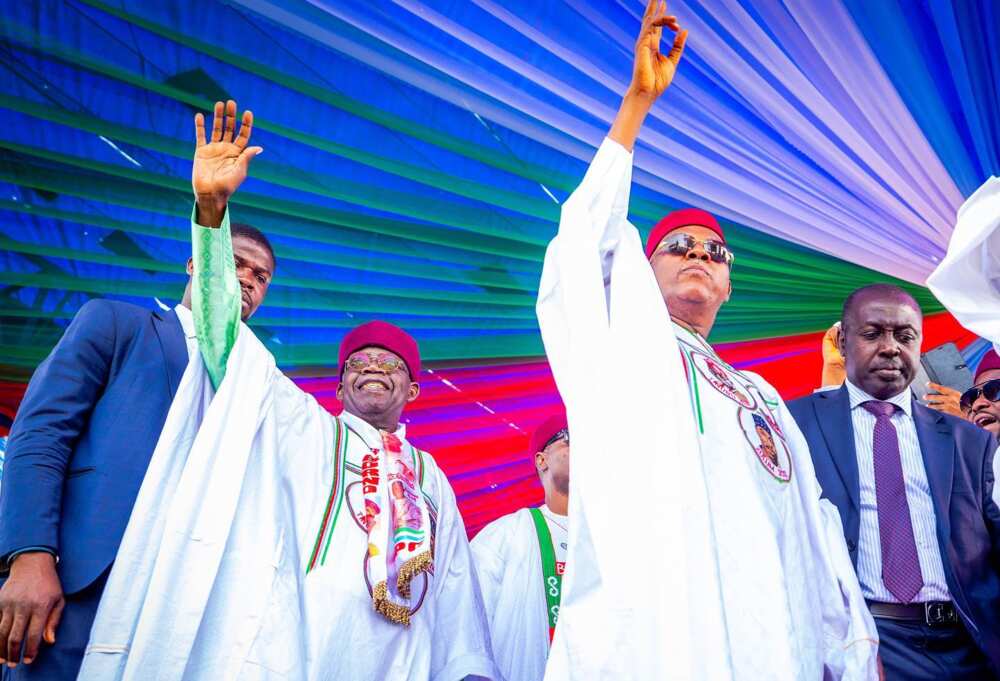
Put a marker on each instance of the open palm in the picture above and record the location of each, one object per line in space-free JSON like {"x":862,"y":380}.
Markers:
{"x":220,"y":165}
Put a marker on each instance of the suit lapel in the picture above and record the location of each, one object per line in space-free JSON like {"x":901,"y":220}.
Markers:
{"x":171,"y":335}
{"x":833,"y":412}
{"x":937,"y":447}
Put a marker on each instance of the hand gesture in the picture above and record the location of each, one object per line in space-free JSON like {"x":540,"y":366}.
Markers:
{"x":944,"y":399}
{"x":653,"y":72}
{"x":220,"y":165}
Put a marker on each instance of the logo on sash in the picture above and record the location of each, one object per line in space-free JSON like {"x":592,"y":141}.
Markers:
{"x":720,"y":378}
{"x":767,"y":443}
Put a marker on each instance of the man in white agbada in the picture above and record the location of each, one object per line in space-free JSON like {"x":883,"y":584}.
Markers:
{"x":699,"y":547}
{"x":271,"y":540}
{"x":520,"y":559}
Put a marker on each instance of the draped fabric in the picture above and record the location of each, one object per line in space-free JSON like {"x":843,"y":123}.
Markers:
{"x":417,"y":154}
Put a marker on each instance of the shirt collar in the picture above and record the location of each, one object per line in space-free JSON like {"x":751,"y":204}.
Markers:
{"x":186,"y":319}
{"x":367,"y":431}
{"x":903,"y":400}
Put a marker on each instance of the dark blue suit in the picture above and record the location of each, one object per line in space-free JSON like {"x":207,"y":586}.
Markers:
{"x":79,"y":449}
{"x":958,"y":458}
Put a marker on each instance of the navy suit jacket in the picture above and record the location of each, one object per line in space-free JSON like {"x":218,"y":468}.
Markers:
{"x":84,"y":435}
{"x":958,"y":458}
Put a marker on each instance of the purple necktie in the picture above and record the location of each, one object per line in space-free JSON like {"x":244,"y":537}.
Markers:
{"x":900,"y":565}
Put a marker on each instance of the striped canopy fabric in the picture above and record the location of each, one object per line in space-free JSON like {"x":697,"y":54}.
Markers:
{"x":416,"y":155}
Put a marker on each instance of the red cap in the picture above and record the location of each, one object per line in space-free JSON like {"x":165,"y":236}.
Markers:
{"x":989,"y":362}
{"x":681,"y":218}
{"x":549,"y":427}
{"x":382,"y":335}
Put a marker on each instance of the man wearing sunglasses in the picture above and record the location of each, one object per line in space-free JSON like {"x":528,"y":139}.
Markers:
{"x":914,"y":488}
{"x":981,"y":403}
{"x":696,"y":515}
{"x":520,"y":559}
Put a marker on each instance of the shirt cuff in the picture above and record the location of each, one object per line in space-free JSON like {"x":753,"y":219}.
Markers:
{"x":9,"y":558}
{"x":194,"y":218}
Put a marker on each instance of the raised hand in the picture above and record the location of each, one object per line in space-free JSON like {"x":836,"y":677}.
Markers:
{"x":220,"y":165}
{"x":653,"y":72}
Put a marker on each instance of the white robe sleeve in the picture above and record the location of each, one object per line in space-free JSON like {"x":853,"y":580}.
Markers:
{"x":460,"y":643}
{"x":967,"y":281}
{"x":509,"y":567}
{"x":851,"y":638}
{"x":490,"y":566}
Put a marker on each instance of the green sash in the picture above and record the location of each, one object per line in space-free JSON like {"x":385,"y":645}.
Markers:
{"x":552,"y":581}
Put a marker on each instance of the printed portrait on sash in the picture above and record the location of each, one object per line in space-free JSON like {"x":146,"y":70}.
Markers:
{"x":767,"y":443}
{"x":722,"y":379}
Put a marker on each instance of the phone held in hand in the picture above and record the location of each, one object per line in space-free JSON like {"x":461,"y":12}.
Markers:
{"x":945,"y":366}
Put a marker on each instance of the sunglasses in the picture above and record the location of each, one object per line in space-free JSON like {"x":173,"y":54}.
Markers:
{"x":358,"y":362}
{"x":682,"y":244}
{"x":561,"y":435}
{"x":990,"y":390}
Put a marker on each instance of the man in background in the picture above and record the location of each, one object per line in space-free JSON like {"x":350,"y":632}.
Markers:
{"x":914,"y":490}
{"x":981,"y":403}
{"x":520,"y":559}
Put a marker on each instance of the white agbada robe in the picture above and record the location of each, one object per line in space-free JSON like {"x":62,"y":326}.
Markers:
{"x":508,"y":562}
{"x":447,"y":637}
{"x":967,"y":281}
{"x":215,"y":577}
{"x":690,"y":556}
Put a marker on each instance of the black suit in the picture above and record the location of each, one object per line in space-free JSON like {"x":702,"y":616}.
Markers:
{"x":958,"y":459}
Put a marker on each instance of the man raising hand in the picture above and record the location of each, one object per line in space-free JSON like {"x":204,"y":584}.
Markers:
{"x":702,"y":549}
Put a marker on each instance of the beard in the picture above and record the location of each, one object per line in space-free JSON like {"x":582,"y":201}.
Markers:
{"x":560,"y":482}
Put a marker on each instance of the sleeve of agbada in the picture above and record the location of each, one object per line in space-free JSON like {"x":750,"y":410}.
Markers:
{"x":461,"y":641}
{"x":967,"y":281}
{"x":215,"y":295}
{"x":592,"y":221}
{"x":851,"y":638}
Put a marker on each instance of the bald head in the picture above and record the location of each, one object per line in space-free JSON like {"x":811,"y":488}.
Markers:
{"x":885,"y":293}
{"x":880,"y":335}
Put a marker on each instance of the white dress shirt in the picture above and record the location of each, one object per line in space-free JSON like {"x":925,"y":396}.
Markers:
{"x":918,"y":497}
{"x":187,"y":326}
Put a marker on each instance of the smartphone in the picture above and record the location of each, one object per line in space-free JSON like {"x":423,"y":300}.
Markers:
{"x":945,"y":366}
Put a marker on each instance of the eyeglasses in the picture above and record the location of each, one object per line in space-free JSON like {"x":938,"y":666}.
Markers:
{"x":383,"y":362}
{"x":990,"y":390}
{"x":682,"y":244}
{"x":560,"y":435}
